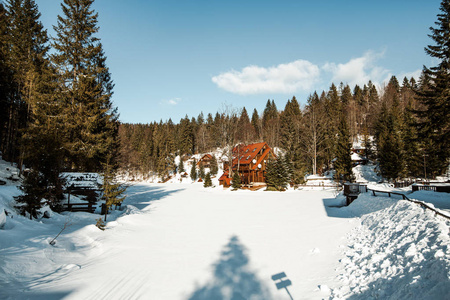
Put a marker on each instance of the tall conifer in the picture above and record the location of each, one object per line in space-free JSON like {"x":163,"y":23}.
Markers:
{"x":434,"y":122}
{"x":343,"y":162}
{"x":85,"y":88}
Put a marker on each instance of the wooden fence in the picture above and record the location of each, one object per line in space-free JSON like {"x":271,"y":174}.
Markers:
{"x":422,"y":204}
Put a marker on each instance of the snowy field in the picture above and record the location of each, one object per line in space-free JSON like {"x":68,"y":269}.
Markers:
{"x":181,"y":241}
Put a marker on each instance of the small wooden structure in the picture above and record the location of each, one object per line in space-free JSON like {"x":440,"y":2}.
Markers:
{"x":436,"y":187}
{"x":85,"y":185}
{"x":205,"y":161}
{"x":352,"y":190}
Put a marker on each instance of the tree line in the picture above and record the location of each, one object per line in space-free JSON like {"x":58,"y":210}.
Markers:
{"x":315,"y":137}
{"x":405,"y":127}
{"x":56,"y":112}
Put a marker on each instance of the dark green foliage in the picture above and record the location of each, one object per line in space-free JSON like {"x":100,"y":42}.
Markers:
{"x":6,"y":86}
{"x":343,"y":163}
{"x":214,"y":166}
{"x":90,"y":127}
{"x":27,"y":43}
{"x":36,"y":188}
{"x":181,"y":166}
{"x":434,"y":95}
{"x":201,"y":172}
{"x":112,"y":190}
{"x":256,"y":123}
{"x":34,"y":191}
{"x":270,"y":124}
{"x":290,"y":127}
{"x":236,"y":181}
{"x":207,"y":182}
{"x":246,"y":132}
{"x":389,"y":147}
{"x":194,"y":174}
{"x":278,"y":174}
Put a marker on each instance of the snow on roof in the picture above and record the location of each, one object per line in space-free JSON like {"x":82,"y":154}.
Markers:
{"x":356,"y":157}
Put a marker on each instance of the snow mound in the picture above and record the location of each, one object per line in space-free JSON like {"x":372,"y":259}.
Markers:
{"x":366,"y":174}
{"x":399,"y":252}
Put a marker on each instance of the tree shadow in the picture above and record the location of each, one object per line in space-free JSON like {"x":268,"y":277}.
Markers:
{"x":232,"y":278}
{"x":142,"y":196}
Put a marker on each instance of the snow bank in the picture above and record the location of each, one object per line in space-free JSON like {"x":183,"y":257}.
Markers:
{"x":399,"y":252}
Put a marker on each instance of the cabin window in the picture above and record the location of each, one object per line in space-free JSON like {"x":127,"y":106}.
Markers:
{"x":246,"y":150}
{"x":254,"y":150}
{"x":248,"y":157}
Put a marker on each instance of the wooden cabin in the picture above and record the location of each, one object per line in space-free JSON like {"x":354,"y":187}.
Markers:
{"x":205,"y":161}
{"x":225,"y":180}
{"x":250,"y":162}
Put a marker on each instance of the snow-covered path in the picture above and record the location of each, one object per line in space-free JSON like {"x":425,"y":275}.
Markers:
{"x":187,"y":242}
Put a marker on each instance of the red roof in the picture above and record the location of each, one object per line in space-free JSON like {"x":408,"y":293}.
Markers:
{"x":248,"y":153}
{"x":224,"y":176}
{"x":205,"y":157}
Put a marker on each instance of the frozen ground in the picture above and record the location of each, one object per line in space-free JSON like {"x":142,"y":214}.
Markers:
{"x":181,"y":241}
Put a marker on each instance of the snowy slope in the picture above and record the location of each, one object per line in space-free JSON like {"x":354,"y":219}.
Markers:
{"x":400,"y":252}
{"x":181,"y":241}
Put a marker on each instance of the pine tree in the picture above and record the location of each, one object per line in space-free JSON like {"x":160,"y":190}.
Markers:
{"x":194,"y":170}
{"x":343,"y":162}
{"x":256,"y":123}
{"x":112,"y":191}
{"x":181,"y":166}
{"x":201,"y":172}
{"x":270,"y":124}
{"x":207,"y":182}
{"x":236,"y":181}
{"x":272,"y":175}
{"x":91,"y":123}
{"x":28,"y":47}
{"x":434,"y":125}
{"x":389,"y":148}
{"x":290,"y":127}
{"x":246,"y":132}
{"x":33,"y":188}
{"x":6,"y":86}
{"x":214,"y":166}
{"x":314,"y":132}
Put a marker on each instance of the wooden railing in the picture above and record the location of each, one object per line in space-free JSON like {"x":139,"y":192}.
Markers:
{"x":86,"y":207}
{"x":422,"y":204}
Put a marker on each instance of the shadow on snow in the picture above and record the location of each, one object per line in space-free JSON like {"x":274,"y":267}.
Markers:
{"x":141,"y":196}
{"x":232,"y":277}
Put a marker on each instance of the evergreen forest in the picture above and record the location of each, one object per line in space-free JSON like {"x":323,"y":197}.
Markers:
{"x":56,"y":112}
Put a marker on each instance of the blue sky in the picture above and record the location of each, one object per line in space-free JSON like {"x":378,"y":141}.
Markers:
{"x":172,"y":58}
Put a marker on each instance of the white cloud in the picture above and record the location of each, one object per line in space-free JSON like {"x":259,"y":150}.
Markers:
{"x":173,"y":101}
{"x":304,"y":76}
{"x":300,"y":75}
{"x":358,"y":70}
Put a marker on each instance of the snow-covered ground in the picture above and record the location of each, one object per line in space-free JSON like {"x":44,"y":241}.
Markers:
{"x":182,"y":241}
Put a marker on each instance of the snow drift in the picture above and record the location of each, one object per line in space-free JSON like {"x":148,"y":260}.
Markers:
{"x":400,"y":252}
